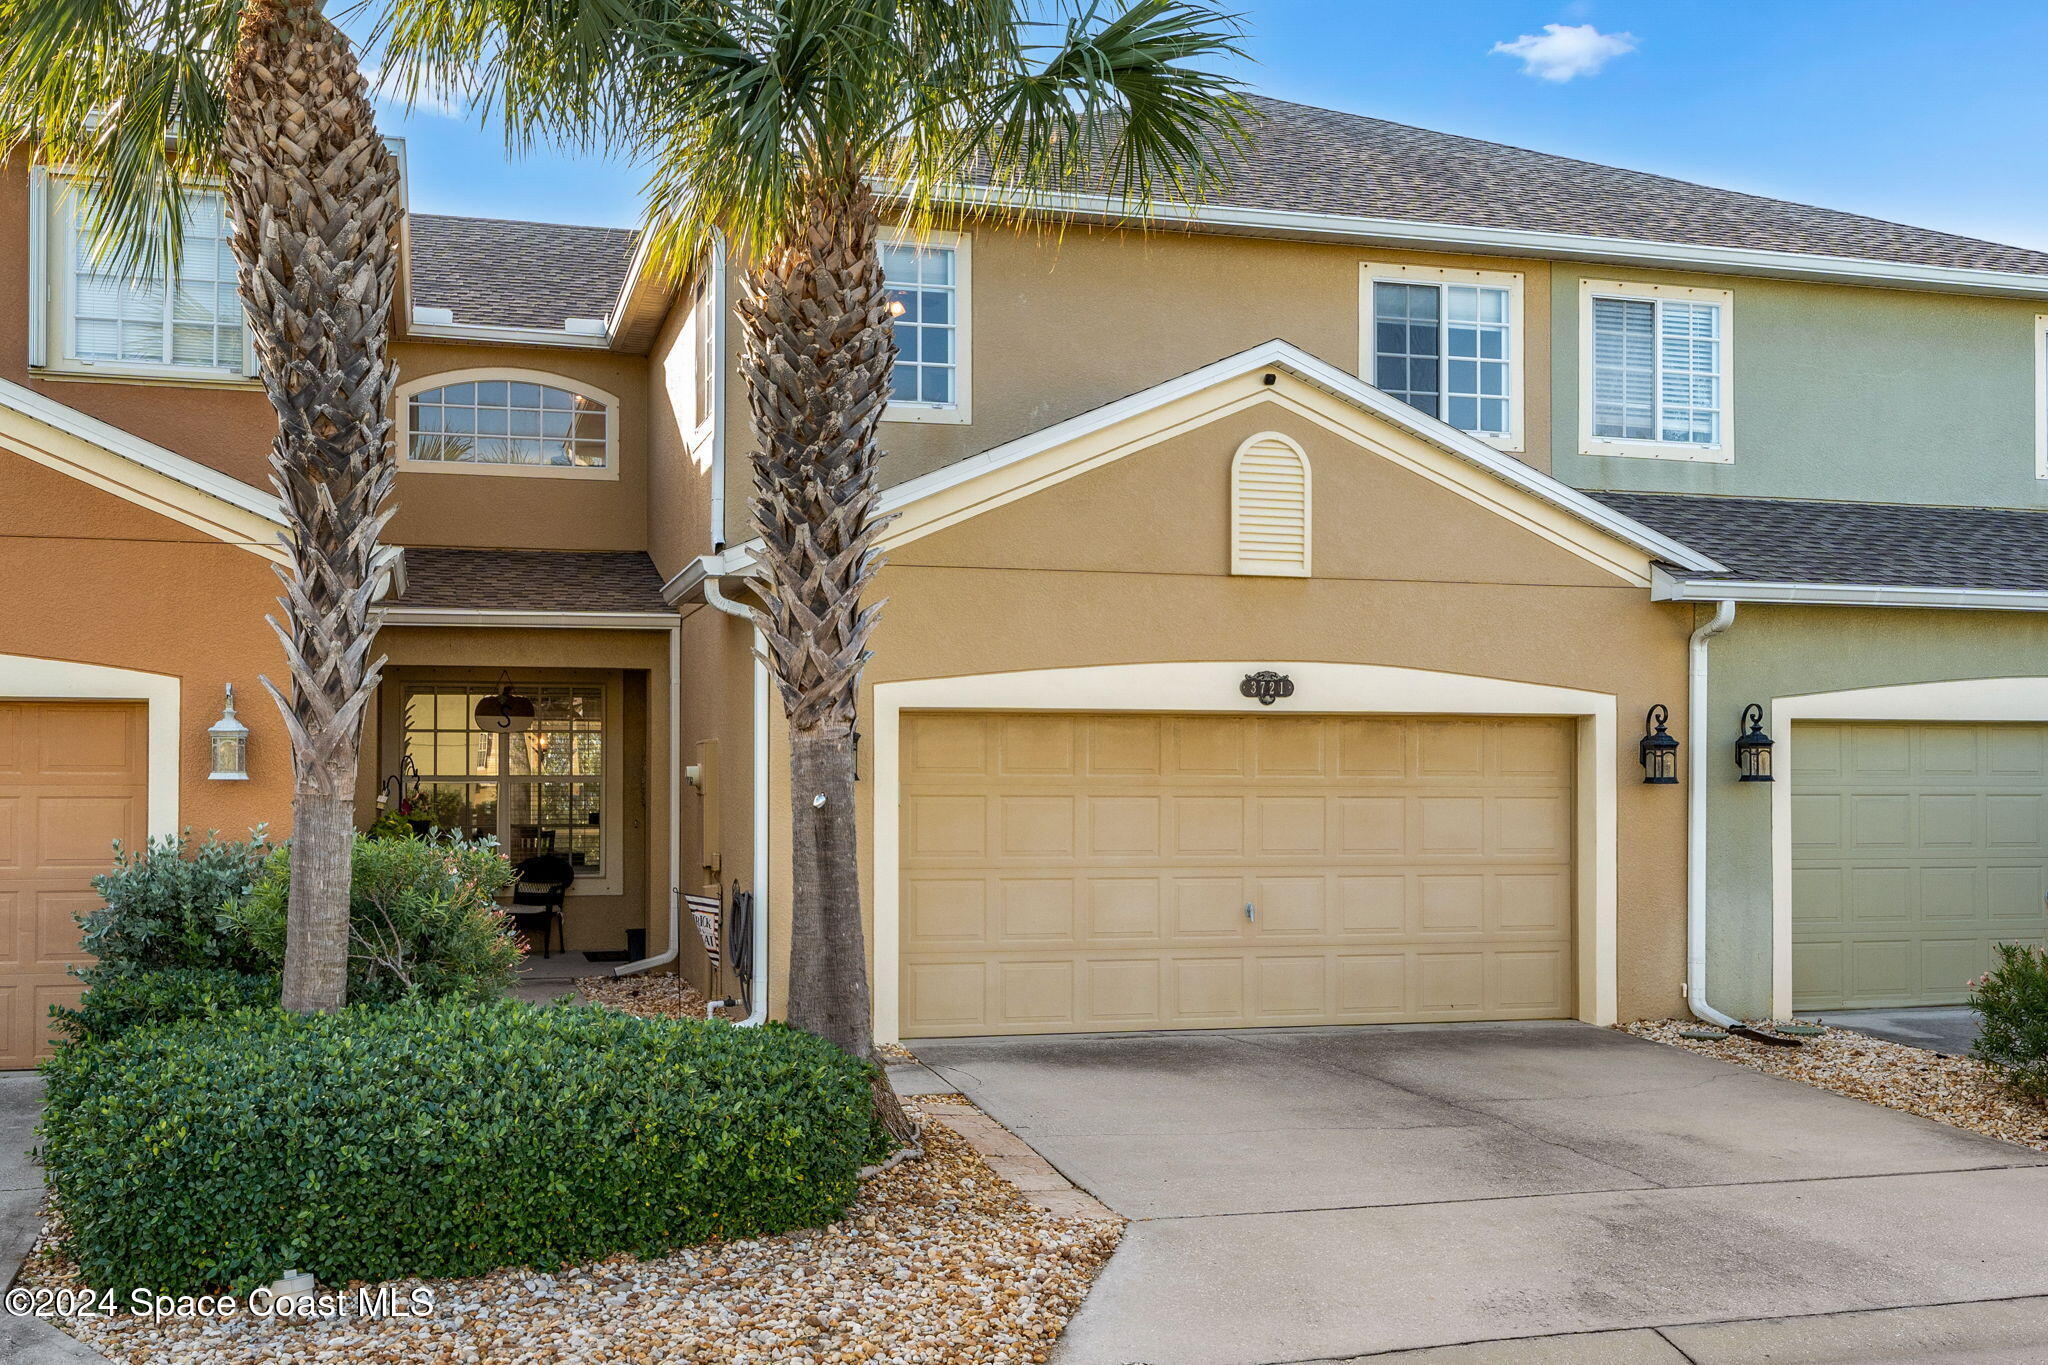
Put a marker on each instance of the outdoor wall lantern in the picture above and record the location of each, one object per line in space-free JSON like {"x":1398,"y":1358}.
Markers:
{"x":227,"y":742}
{"x":1658,"y":751}
{"x":1753,"y":750}
{"x":505,"y":713}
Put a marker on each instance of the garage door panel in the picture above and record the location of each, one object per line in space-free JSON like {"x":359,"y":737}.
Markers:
{"x":1924,"y":846}
{"x":73,"y":781}
{"x":1400,"y":869}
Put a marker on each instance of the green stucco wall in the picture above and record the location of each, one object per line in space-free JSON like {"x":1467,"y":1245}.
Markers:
{"x":1773,"y":652}
{"x":1871,"y":395}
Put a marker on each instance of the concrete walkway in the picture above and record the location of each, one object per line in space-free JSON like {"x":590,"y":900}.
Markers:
{"x":1938,"y":1028}
{"x":1328,"y":1194}
{"x":25,"y":1340}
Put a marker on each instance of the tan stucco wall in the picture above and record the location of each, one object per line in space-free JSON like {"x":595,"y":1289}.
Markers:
{"x":93,"y":579}
{"x":460,"y":507}
{"x":678,"y":510}
{"x":1128,"y":564}
{"x":1064,"y":322}
{"x":640,"y":754}
{"x":717,"y":705}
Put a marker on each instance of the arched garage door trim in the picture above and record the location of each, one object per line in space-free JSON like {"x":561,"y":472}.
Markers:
{"x":1320,"y":689}
{"x":23,"y":678}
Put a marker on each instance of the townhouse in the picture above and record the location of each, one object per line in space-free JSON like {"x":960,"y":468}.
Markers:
{"x":1279,"y":596}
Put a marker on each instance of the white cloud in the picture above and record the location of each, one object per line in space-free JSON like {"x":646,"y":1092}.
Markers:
{"x":440,"y":103}
{"x":1563,"y":51}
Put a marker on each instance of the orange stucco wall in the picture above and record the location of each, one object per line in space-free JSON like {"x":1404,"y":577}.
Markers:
{"x":93,"y":579}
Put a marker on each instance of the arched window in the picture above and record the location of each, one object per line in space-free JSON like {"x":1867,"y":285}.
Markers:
{"x":1269,"y":508}
{"x":511,"y":422}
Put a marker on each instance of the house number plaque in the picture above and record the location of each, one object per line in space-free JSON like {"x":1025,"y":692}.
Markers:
{"x":1266,"y":686}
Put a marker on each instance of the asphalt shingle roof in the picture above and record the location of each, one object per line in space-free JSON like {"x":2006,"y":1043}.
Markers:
{"x":531,"y":580}
{"x":1310,"y":160}
{"x":1887,"y":544}
{"x":497,"y":273}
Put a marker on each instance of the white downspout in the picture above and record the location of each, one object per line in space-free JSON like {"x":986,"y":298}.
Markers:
{"x":675,"y":786}
{"x":1696,"y":818}
{"x":757,"y":990}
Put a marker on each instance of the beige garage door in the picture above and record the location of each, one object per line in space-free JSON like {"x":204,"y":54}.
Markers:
{"x":1914,"y":849}
{"x":73,"y":778}
{"x":1067,"y":873}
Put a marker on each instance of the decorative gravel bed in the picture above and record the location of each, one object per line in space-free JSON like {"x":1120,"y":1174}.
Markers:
{"x":1958,"y":1091}
{"x":940,"y":1263}
{"x":666,"y":996}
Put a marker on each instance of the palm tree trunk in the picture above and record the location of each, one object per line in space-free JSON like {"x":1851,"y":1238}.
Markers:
{"x":314,"y":193}
{"x":818,"y":351}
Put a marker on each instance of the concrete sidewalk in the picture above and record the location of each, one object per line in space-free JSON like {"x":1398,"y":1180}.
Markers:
{"x":1328,"y":1194}
{"x":25,"y":1340}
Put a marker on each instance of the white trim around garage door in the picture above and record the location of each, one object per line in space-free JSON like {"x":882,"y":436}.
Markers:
{"x":1965,"y":700}
{"x":1320,"y":689}
{"x":23,"y":678}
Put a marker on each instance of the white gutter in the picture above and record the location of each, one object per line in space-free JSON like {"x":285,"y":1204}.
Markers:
{"x":536,"y":620}
{"x":716,"y":303}
{"x":1696,"y":818}
{"x":675,"y":797}
{"x":1405,"y":233}
{"x":417,"y":330}
{"x":757,"y":989}
{"x":1666,"y":586}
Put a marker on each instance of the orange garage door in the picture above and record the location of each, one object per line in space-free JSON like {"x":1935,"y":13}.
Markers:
{"x":73,"y":778}
{"x":1079,"y":873}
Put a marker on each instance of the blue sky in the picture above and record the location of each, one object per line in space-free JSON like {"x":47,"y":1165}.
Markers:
{"x":1927,"y":113}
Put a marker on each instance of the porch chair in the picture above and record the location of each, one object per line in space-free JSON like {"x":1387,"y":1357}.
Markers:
{"x":539,"y":885}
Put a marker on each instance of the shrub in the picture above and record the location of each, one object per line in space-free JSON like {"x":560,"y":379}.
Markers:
{"x":423,"y":918}
{"x":164,"y":905}
{"x":439,"y":1138}
{"x":119,"y":1001}
{"x":2011,"y":1001}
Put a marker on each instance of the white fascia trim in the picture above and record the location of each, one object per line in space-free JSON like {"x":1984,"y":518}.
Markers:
{"x":1348,"y":387}
{"x":529,"y":620}
{"x":123,"y":464}
{"x":1666,"y":586}
{"x":509,"y":336}
{"x":1959,"y":701}
{"x":1322,"y":688}
{"x":24,"y":678}
{"x":1396,"y":232}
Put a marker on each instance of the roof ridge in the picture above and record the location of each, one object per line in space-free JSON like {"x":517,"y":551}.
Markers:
{"x":523,"y":222}
{"x":1651,"y":175}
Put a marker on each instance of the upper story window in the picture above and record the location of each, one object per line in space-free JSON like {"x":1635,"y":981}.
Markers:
{"x":2041,"y":396}
{"x":91,"y":316}
{"x":927,"y":282}
{"x":703,"y":353}
{"x":509,"y":422}
{"x":1447,"y":342}
{"x":1653,"y":367}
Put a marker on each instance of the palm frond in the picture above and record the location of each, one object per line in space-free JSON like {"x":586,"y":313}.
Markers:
{"x":127,"y":96}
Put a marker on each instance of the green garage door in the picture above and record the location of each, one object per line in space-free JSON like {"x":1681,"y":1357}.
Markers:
{"x":1915,"y":848}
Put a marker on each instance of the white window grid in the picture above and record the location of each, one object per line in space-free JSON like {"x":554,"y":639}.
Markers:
{"x":923,"y":291}
{"x":1657,"y":370}
{"x":515,"y":422}
{"x":1446,"y":349}
{"x":537,"y":791}
{"x":191,"y":321}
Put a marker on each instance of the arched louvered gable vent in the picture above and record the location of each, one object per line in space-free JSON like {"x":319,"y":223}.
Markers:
{"x":1269,"y":508}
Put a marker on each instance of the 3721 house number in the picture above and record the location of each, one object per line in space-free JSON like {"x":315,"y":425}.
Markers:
{"x":1266,"y":686}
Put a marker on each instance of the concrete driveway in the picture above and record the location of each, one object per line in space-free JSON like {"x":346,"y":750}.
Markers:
{"x":1326,"y":1194}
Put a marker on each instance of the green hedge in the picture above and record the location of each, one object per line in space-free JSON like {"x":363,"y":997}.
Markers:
{"x":117,"y":1002}
{"x":439,"y":1139}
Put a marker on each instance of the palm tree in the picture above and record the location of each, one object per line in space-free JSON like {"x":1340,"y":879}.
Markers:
{"x":150,"y":103}
{"x":769,"y":125}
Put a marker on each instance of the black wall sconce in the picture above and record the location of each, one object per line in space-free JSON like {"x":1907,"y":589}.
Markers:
{"x":1753,"y":749}
{"x":1658,"y":752}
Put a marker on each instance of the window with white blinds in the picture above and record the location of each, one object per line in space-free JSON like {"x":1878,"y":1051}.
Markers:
{"x":1658,"y":369}
{"x":1269,"y":508}
{"x":189,"y":321}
